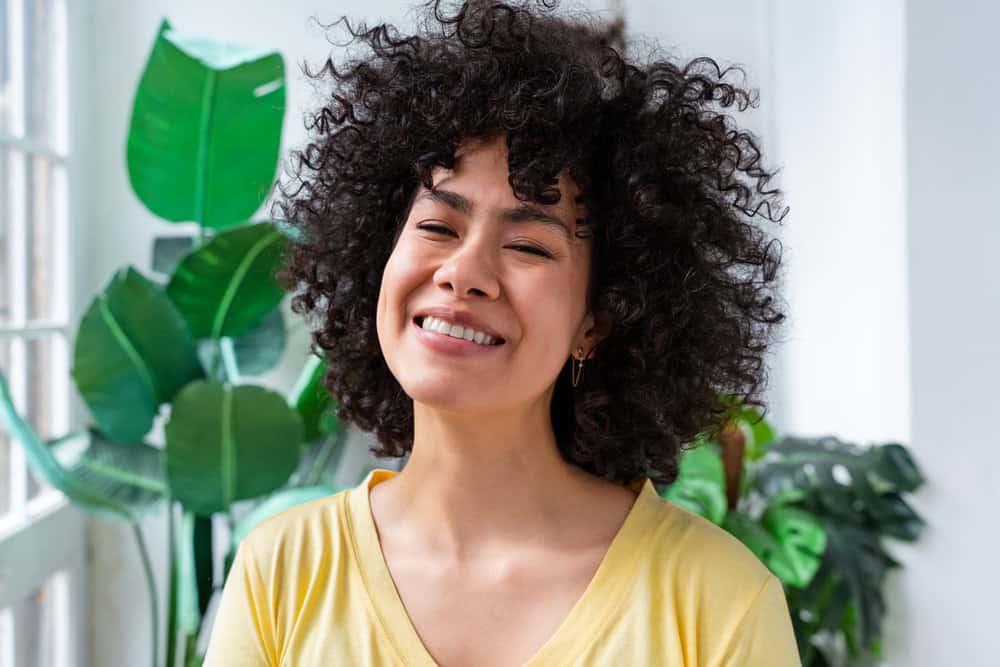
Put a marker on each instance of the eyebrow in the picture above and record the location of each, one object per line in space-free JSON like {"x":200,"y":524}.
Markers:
{"x":522,"y":213}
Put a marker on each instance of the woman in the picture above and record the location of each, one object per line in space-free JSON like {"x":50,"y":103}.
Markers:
{"x":532,"y":268}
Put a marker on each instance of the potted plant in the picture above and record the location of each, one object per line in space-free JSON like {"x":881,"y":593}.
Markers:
{"x":181,"y":345}
{"x":815,"y":511}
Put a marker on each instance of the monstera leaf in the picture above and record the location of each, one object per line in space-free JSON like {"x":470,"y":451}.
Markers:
{"x":108,"y":478}
{"x":227,"y":286}
{"x":205,"y":130}
{"x":228,"y":443}
{"x":846,"y":594}
{"x":853,"y":484}
{"x":133,"y":352}
{"x":700,"y":486}
{"x":788,"y":540}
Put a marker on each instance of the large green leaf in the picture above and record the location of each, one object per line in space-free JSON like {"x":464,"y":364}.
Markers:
{"x":846,"y":594}
{"x":701,"y":484}
{"x":855,"y":485}
{"x":762,"y":543}
{"x":227,"y":286}
{"x":228,"y":443}
{"x":133,"y":352}
{"x":206,"y":128}
{"x":97,"y":474}
{"x":313,"y":402}
{"x":800,"y":536}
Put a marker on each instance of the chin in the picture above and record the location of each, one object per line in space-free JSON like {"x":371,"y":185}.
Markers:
{"x":453,"y":395}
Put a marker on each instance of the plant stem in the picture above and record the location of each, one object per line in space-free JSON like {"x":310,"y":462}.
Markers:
{"x":320,"y":461}
{"x":228,"y":354}
{"x":151,"y":583}
{"x":172,"y":600}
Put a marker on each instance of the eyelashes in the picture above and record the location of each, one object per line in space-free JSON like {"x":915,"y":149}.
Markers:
{"x":529,"y":249}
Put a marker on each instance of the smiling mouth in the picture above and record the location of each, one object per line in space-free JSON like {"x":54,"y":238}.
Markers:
{"x":419,"y":321}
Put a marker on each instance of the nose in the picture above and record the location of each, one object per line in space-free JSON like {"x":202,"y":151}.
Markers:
{"x":469,"y":271}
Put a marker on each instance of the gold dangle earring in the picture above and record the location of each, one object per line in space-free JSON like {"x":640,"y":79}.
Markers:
{"x":578,"y":370}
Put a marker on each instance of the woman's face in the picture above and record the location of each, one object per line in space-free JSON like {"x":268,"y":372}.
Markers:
{"x":515,"y":268}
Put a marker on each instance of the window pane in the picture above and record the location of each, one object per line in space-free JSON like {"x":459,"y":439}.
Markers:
{"x":5,"y":443}
{"x":46,"y":208}
{"x":12,"y":184}
{"x":46,"y":81}
{"x":6,"y":94}
{"x":5,"y":220}
{"x":47,"y":389}
{"x":39,"y":625}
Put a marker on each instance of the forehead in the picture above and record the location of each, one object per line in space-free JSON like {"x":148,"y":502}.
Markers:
{"x":480,"y":180}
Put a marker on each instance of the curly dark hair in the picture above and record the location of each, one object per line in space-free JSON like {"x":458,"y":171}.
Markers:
{"x":682,"y":278}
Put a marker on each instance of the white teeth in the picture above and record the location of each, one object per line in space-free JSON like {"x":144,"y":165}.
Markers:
{"x":456,"y":331}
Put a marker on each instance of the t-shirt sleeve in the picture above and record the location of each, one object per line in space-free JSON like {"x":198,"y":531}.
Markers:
{"x":764,"y":636}
{"x":243,"y":633}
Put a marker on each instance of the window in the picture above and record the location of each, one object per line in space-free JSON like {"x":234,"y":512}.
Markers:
{"x":39,"y":587}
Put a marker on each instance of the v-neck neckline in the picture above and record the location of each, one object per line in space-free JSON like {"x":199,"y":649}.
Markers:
{"x":603,"y":595}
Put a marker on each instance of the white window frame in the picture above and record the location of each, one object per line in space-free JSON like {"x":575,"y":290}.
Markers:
{"x":43,"y":541}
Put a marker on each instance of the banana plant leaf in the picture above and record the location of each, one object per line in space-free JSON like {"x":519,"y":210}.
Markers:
{"x":227,"y":286}
{"x":260,"y":349}
{"x":205,"y":129}
{"x":229,"y":443}
{"x":132,"y":353}
{"x":700,"y":486}
{"x":97,"y":474}
{"x":853,"y":484}
{"x":313,"y":402}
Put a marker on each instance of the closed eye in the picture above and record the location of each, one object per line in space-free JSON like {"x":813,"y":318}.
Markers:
{"x":530,"y":249}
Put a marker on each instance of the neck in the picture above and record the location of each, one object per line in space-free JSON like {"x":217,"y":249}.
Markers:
{"x":473,"y":483}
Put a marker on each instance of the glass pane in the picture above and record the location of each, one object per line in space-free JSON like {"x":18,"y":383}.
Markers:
{"x":6,"y":94}
{"x":11,"y":214}
{"x":4,"y":441}
{"x":46,"y":205}
{"x":46,"y":81}
{"x":39,"y":638}
{"x":5,"y":230}
{"x":47,"y":388}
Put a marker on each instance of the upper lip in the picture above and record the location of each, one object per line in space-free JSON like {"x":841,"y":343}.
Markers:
{"x":462,"y":317}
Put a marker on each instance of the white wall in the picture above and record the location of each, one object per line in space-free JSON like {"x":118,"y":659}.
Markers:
{"x":838,"y":131}
{"x":949,"y":593}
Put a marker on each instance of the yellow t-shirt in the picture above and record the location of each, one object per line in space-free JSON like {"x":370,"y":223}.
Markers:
{"x":309,"y":586}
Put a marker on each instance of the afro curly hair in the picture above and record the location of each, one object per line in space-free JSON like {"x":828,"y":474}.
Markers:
{"x":683,"y":278}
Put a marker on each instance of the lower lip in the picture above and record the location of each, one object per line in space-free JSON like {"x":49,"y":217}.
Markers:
{"x":439,"y":342}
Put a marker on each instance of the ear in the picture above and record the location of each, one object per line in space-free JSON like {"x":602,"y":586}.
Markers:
{"x":595,"y":328}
